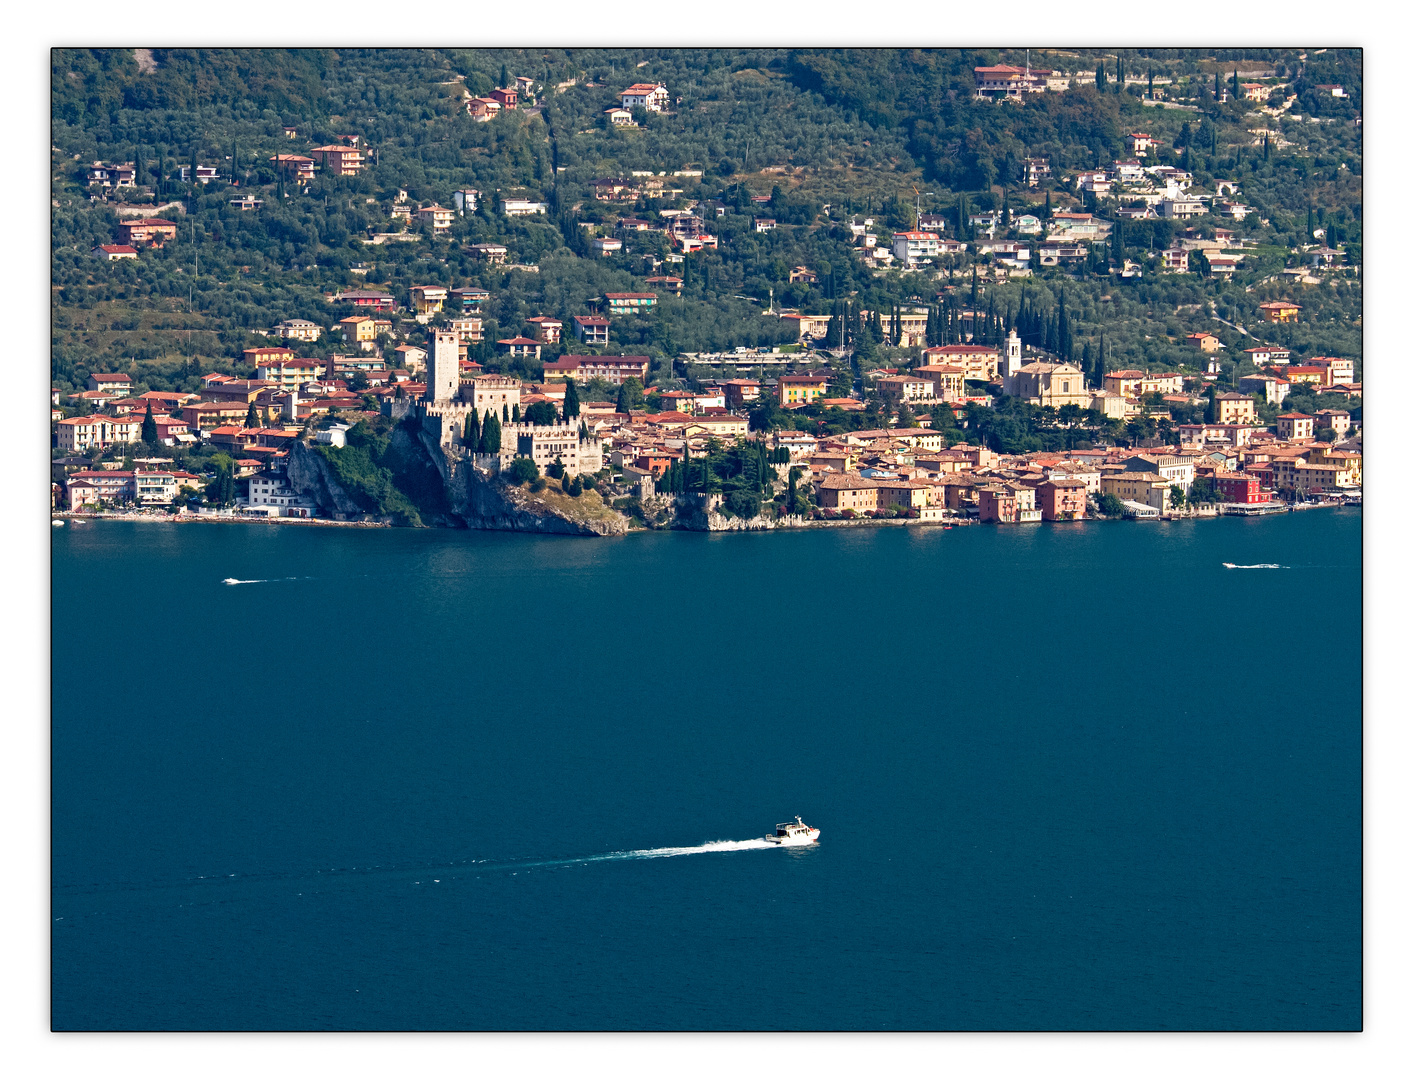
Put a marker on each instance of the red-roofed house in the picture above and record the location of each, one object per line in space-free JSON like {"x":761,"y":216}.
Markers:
{"x":1005,"y":81}
{"x":592,"y":329}
{"x":115,"y":251}
{"x":650,"y":96}
{"x":154,"y":231}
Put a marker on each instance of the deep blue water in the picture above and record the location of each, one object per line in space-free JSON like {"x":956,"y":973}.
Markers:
{"x":1067,"y":776}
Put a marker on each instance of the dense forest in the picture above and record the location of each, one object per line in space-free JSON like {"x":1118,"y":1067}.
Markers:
{"x":827,"y":136}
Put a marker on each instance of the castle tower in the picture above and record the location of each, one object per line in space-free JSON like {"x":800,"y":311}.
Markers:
{"x":443,"y":369}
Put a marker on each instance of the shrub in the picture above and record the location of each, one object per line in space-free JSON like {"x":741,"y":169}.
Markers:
{"x":743,"y":504}
{"x":537,"y":485}
{"x":522,"y":471}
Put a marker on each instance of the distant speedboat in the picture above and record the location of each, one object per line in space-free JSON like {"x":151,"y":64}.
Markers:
{"x":793,"y":834}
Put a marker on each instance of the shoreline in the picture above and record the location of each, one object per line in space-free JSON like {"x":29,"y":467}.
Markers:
{"x":959,"y":522}
{"x":174,"y":519}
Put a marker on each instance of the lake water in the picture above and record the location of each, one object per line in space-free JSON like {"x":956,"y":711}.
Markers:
{"x":1074,"y":776}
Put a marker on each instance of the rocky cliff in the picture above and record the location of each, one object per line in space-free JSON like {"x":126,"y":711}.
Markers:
{"x":482,"y":500}
{"x":310,"y":475}
{"x":462,"y":494}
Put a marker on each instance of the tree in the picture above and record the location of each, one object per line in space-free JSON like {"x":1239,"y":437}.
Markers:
{"x":571,"y":400}
{"x":251,"y":420}
{"x":542,"y":413}
{"x":149,"y":426}
{"x":471,"y":434}
{"x":490,"y":434}
{"x":1176,"y":497}
{"x":505,"y":77}
{"x":522,"y":471}
{"x":630,"y":395}
{"x":1110,"y":504}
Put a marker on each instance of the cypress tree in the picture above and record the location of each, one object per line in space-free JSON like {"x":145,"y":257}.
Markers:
{"x":490,"y":434}
{"x":974,"y":292}
{"x":506,"y":412}
{"x":251,"y":420}
{"x":471,"y":434}
{"x":571,"y":400}
{"x":149,"y":425}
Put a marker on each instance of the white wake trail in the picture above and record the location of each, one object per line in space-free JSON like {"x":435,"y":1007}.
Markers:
{"x":1256,"y":566}
{"x":700,"y":849}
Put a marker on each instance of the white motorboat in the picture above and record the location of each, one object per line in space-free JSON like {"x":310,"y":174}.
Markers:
{"x":793,"y":834}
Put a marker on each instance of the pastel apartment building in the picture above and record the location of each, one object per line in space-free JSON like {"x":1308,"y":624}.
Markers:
{"x":1234,"y":408}
{"x":592,"y":329}
{"x":911,"y":248}
{"x":338,"y":160}
{"x":1296,"y":426}
{"x":630,"y":303}
{"x":614,"y":370}
{"x":438,"y":217}
{"x":79,"y":433}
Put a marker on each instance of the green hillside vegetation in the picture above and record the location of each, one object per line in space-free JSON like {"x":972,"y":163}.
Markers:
{"x":844,"y":133}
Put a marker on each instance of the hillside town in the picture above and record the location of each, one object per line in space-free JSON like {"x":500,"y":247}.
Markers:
{"x":854,"y":413}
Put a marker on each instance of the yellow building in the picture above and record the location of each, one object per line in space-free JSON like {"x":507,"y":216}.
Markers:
{"x":1235,"y":409}
{"x":800,"y":389}
{"x":1144,"y":487}
{"x":1280,"y":311}
{"x":358,"y":328}
{"x":427,"y":299}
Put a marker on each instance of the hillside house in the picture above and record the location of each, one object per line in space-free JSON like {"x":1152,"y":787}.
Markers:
{"x":1280,"y":311}
{"x":299,"y":330}
{"x":482,"y":109}
{"x":112,"y":252}
{"x":1001,"y":81}
{"x":650,"y":96}
{"x":546,"y":329}
{"x":152,"y":231}
{"x":297,"y":166}
{"x":467,"y":299}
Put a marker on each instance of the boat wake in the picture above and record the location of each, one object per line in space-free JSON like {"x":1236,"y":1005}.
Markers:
{"x":700,"y":849}
{"x":1256,"y":566}
{"x":254,"y":581}
{"x":459,"y":870}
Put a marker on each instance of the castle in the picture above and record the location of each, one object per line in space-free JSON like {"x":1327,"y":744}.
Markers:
{"x":448,"y":402}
